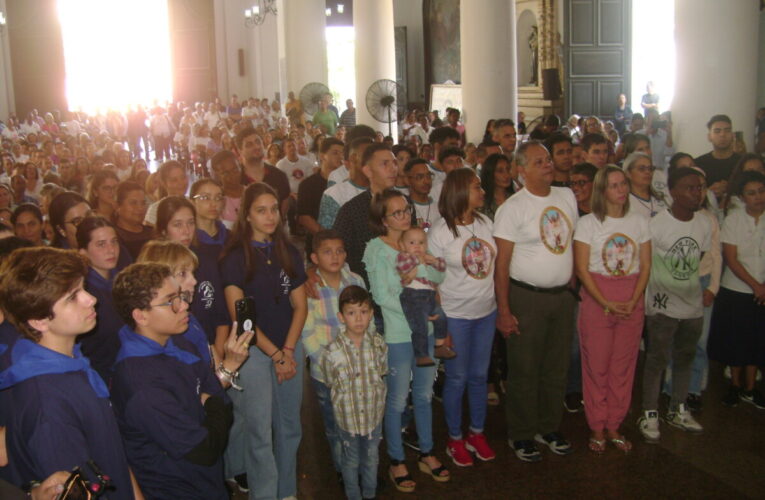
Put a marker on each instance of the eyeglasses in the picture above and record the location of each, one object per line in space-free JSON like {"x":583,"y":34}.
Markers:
{"x":419,"y":177}
{"x":401,"y":214}
{"x":206,"y":197}
{"x":175,"y":302}
{"x":77,"y":220}
{"x":644,"y":169}
{"x":579,"y":184}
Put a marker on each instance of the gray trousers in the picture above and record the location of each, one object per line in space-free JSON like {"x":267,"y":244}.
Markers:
{"x":669,"y":339}
{"x":537,"y":361}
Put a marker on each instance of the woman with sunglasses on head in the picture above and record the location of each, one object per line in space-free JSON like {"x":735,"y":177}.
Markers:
{"x":97,"y":240}
{"x":258,"y":261}
{"x":390,"y":216}
{"x":644,"y":198}
{"x":176,"y":221}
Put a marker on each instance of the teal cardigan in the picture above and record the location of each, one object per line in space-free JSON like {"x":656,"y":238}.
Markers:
{"x":385,"y":285}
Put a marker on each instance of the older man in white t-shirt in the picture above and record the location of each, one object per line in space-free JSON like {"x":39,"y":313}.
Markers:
{"x":533,"y":230}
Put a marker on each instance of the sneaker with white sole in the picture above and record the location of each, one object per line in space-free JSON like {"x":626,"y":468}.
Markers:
{"x":649,"y":426}
{"x":753,"y":397}
{"x":556,"y":442}
{"x":526,"y":450}
{"x":682,"y":419}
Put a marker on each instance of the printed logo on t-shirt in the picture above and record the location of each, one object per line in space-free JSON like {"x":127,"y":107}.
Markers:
{"x":683,"y":258}
{"x":285,"y":284}
{"x":297,"y":174}
{"x":206,"y":293}
{"x":555,"y":230}
{"x":618,"y":254}
{"x":477,"y":256}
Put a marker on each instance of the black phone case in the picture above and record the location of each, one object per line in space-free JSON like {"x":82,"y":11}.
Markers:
{"x":245,"y":317}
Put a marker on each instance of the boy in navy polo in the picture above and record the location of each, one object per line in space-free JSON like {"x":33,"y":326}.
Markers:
{"x":60,"y":416}
{"x":172,"y":411}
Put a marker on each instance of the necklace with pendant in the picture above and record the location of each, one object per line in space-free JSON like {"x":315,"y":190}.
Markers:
{"x":265,"y":255}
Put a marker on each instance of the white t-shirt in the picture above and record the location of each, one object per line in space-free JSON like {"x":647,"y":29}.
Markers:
{"x":426,"y":213}
{"x":542,"y":228}
{"x":614,"y":243}
{"x":676,"y":247}
{"x":646,"y":208}
{"x":467,"y":291}
{"x":739,"y":229}
{"x":338,"y":175}
{"x":296,"y":171}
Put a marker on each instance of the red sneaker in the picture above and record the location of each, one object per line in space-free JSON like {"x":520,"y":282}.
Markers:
{"x":455,"y":448}
{"x":477,"y":444}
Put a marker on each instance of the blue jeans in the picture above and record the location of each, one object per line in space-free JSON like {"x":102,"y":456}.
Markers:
{"x":360,"y":456}
{"x":471,"y":340}
{"x":417,"y":305}
{"x":700,"y":361}
{"x":264,"y":439}
{"x":402,"y":369}
{"x":324,"y":398}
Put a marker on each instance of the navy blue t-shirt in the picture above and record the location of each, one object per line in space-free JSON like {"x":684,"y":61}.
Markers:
{"x":270,"y":287}
{"x":8,"y":337}
{"x":157,"y":402}
{"x":209,"y":304}
{"x":101,"y":344}
{"x":57,"y":423}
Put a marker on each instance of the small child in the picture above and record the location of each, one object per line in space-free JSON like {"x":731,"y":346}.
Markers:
{"x":353,"y":366}
{"x":418,"y":298}
{"x":322,"y":324}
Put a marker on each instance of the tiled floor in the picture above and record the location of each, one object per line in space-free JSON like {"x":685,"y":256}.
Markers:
{"x":726,"y":461}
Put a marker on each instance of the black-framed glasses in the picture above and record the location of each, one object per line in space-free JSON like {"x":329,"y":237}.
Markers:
{"x":401,"y":214}
{"x":175,"y":302}
{"x":76,"y":221}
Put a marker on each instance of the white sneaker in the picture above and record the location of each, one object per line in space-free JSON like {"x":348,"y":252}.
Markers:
{"x":682,"y":419}
{"x":649,"y":426}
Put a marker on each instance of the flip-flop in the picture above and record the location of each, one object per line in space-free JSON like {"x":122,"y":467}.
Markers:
{"x":596,"y":445}
{"x":621,"y":443}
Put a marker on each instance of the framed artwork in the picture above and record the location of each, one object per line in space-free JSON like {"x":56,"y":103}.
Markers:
{"x":445,"y":96}
{"x":441,"y":23}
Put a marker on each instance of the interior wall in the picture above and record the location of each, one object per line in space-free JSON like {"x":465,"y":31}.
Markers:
{"x":761,"y":64}
{"x":409,"y":13}
{"x":7,"y":104}
{"x":33,"y":35}
{"x":526,"y":20}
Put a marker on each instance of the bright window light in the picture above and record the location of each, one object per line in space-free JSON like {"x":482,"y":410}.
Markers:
{"x":653,"y":51}
{"x":117,"y":53}
{"x":341,"y":64}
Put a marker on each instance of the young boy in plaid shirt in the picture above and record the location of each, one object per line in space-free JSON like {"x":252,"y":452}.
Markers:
{"x":353,"y":366}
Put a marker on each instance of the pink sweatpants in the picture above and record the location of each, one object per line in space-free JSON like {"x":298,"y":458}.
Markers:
{"x":609,"y":346}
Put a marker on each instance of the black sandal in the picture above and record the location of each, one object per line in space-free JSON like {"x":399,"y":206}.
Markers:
{"x":437,"y":473}
{"x":398,"y":480}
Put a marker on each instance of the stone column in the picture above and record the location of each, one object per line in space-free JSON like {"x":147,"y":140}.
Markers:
{"x":716,"y":69}
{"x":306,"y":44}
{"x":375,"y":55}
{"x":488,"y":54}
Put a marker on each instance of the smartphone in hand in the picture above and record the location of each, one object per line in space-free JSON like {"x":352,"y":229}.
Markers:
{"x":245,"y":317}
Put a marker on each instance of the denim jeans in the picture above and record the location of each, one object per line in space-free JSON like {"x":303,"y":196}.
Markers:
{"x":324,"y":398}
{"x":360,"y":456}
{"x":700,"y":361}
{"x":264,"y":439}
{"x":471,"y":340}
{"x":417,"y":305}
{"x":401,"y":370}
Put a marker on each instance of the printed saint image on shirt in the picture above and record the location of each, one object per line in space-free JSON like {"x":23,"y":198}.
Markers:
{"x":555,"y":230}
{"x":477,"y":256}
{"x":619,"y":253}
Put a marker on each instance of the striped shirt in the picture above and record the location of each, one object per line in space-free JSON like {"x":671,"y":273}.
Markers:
{"x":355,"y":378}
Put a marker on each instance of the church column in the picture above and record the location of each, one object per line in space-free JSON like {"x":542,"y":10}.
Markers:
{"x":488,"y":55}
{"x":375,"y":54}
{"x":306,"y":44}
{"x":716,"y":69}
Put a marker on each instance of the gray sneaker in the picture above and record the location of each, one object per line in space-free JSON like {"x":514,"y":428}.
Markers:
{"x":649,"y":426}
{"x":682,"y":419}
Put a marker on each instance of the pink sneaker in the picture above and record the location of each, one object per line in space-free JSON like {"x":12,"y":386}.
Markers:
{"x":477,"y":444}
{"x":455,"y":448}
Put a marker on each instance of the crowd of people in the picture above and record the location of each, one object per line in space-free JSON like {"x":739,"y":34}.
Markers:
{"x":157,"y":322}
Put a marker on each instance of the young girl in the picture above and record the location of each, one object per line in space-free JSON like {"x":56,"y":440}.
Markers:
{"x":66,"y":211}
{"x":612,"y":253}
{"x":259,"y":262}
{"x":97,"y":240}
{"x":390,"y":214}
{"x":738,"y":318}
{"x":208,"y":201}
{"x":173,"y":181}
{"x":129,"y":215}
{"x":176,"y":221}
